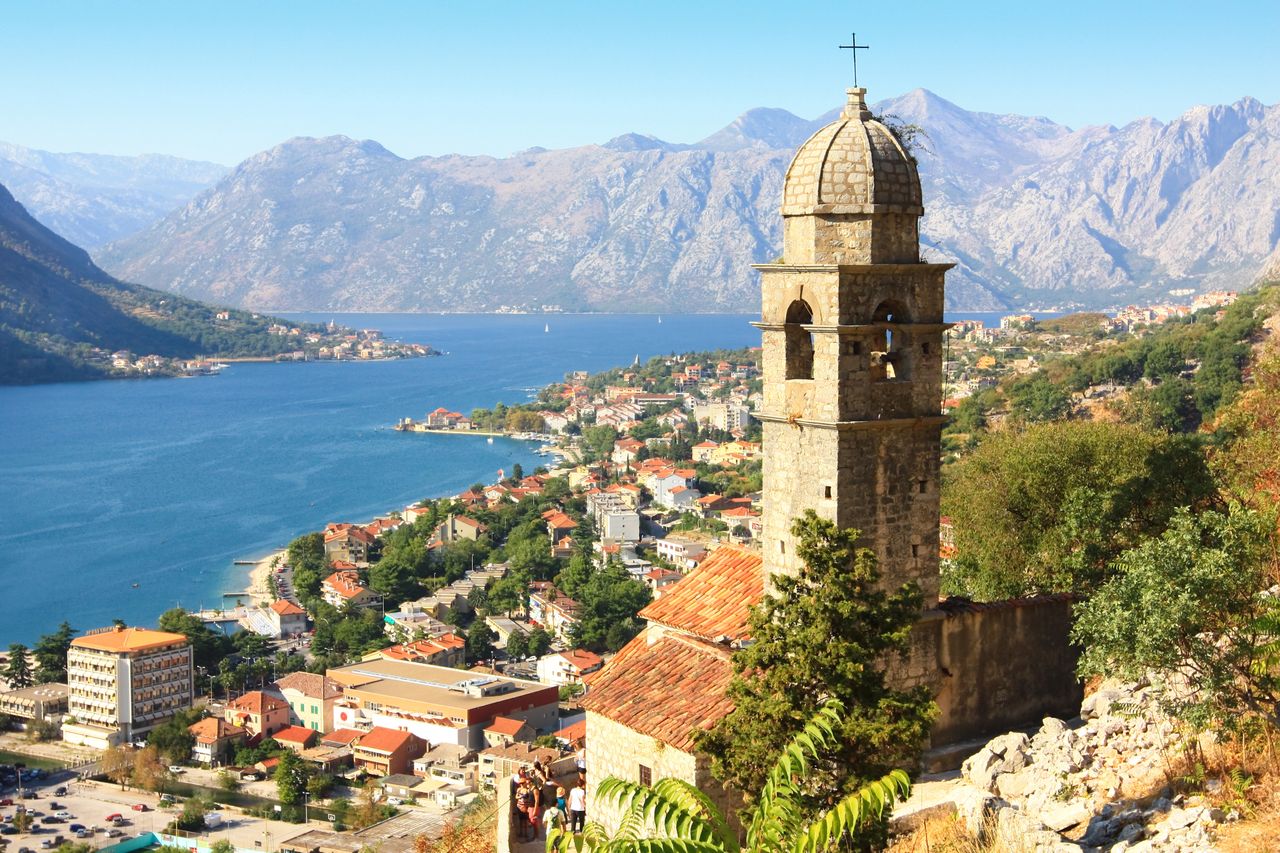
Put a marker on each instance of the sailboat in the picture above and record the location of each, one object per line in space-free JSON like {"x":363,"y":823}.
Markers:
{"x":546,"y":327}
{"x":659,"y":319}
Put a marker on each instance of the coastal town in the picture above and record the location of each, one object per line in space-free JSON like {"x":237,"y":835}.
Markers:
{"x":397,"y":668}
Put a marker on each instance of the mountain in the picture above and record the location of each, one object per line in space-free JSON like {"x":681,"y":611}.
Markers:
{"x":92,"y":199}
{"x":61,"y":316}
{"x":1033,"y":213}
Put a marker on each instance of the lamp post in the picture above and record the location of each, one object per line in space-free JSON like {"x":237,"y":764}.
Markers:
{"x":306,"y":813}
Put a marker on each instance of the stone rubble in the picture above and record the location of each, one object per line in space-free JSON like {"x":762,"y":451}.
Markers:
{"x":1097,"y":784}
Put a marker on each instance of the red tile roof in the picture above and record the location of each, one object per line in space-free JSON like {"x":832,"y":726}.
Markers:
{"x":573,"y":733}
{"x":379,"y":739}
{"x":287,"y":608}
{"x":582,"y":659}
{"x":212,"y":729}
{"x":295,"y":734}
{"x":508,"y":726}
{"x":713,"y":601}
{"x":341,"y":737}
{"x":310,"y":684}
{"x":257,"y":702}
{"x":667,"y":690}
{"x":345,"y":583}
{"x":560,"y":521}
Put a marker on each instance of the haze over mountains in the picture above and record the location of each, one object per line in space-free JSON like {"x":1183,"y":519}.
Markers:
{"x":92,"y":199}
{"x":1036,"y":215}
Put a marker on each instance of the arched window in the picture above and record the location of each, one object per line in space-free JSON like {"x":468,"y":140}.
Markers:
{"x":799,"y":340}
{"x":890,"y":357}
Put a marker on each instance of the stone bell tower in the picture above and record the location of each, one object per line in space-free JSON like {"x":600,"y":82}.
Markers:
{"x":852,"y":353}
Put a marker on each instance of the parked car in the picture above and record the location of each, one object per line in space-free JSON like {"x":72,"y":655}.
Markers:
{"x":65,"y":815}
{"x":112,"y":818}
{"x":141,"y":807}
{"x":84,"y":833}
{"x":76,"y":827}
{"x":61,"y":791}
{"x":7,"y":801}
{"x":8,"y":829}
{"x":50,"y":818}
{"x":114,"y":833}
{"x":177,"y":768}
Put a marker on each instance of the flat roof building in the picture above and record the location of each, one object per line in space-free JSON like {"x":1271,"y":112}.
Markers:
{"x":35,"y":703}
{"x":437,"y":703}
{"x":123,"y":682}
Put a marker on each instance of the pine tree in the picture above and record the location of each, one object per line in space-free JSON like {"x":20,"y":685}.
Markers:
{"x":824,"y":635}
{"x":18,"y":672}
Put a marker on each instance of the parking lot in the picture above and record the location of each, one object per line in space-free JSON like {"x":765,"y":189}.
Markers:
{"x":90,"y":803}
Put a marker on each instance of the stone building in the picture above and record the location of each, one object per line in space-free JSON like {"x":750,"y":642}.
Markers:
{"x":852,"y":328}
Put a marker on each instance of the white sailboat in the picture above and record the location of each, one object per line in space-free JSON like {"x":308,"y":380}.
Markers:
{"x":546,"y":327}
{"x":659,"y":319}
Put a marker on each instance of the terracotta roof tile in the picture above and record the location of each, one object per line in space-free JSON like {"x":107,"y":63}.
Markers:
{"x":379,"y":739}
{"x":127,"y":640}
{"x":287,"y":608}
{"x":310,"y":684}
{"x":667,"y":690}
{"x":295,"y":734}
{"x":505,"y":726}
{"x":713,"y":601}
{"x":257,"y":702}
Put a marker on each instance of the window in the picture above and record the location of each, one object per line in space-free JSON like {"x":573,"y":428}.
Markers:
{"x":799,"y":341}
{"x":826,"y":492}
{"x":646,"y":776}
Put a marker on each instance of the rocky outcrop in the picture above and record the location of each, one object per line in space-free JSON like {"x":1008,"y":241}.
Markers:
{"x":1096,"y":783}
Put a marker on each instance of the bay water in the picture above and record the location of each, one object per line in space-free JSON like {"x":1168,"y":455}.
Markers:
{"x":121,"y":499}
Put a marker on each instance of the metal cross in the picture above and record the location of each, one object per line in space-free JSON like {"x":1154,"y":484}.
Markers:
{"x":855,"y":47}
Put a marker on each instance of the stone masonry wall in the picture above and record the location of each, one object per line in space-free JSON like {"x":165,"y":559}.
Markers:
{"x":615,"y":750}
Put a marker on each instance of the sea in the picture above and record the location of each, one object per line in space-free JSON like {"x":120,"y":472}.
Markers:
{"x":121,"y":499}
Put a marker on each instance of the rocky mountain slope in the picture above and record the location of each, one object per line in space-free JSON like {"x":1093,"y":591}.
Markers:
{"x":1033,"y":213}
{"x":61,"y":316}
{"x":92,"y":199}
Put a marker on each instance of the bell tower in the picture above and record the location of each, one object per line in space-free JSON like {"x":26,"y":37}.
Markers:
{"x":852,"y":353}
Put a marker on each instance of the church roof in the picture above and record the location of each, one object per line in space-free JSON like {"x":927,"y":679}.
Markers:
{"x":713,"y":601}
{"x":668,"y":690}
{"x":853,"y":165}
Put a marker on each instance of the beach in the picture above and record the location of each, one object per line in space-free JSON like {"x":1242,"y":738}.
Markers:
{"x":260,"y":577}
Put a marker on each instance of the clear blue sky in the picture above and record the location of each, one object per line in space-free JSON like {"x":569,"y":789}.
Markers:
{"x":223,"y":80}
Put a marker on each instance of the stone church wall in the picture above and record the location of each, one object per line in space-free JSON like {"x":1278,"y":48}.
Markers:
{"x":998,"y":666}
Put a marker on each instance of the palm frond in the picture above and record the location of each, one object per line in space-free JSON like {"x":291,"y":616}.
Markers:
{"x":668,"y":814}
{"x":852,"y":812}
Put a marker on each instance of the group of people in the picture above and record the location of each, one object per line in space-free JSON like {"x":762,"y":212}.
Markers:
{"x":539,"y":801}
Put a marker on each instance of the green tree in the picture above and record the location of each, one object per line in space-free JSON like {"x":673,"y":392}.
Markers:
{"x":208,"y":648}
{"x":517,"y":646}
{"x":222,"y":845}
{"x":172,"y":739}
{"x":394,"y":579}
{"x":18,"y":671}
{"x":538,"y":642}
{"x":507,"y":595}
{"x":310,"y":565}
{"x":688,"y":821}
{"x":823,"y":635}
{"x":480,"y":639}
{"x":1193,"y":600}
{"x":609,"y":602}
{"x":51,"y":654}
{"x":1047,"y":508}
{"x":1037,"y":399}
{"x":290,"y":778}
{"x":1164,"y":360}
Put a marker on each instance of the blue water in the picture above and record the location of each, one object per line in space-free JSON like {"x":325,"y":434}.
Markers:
{"x":165,"y":482}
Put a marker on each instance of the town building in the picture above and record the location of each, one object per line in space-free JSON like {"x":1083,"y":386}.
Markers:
{"x":503,"y":762}
{"x":730,"y":417}
{"x":681,"y":552}
{"x":560,"y":668}
{"x":347,"y":542}
{"x":296,"y":738}
{"x":457,"y":527}
{"x":445,"y":650}
{"x":258,"y":713}
{"x":216,"y":741}
{"x":554,"y":611}
{"x":35,"y":703}
{"x":436,"y":703}
{"x":310,"y":697}
{"x":123,"y":682}
{"x":287,"y":619}
{"x":504,"y":731}
{"x":385,"y":752}
{"x":344,"y":588}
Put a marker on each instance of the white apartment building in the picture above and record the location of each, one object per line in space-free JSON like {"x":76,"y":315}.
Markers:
{"x":123,"y":682}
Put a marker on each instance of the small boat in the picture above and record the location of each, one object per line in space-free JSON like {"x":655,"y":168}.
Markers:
{"x":135,"y":586}
{"x":659,"y":319}
{"x":546,"y":327}
{"x":489,"y":440}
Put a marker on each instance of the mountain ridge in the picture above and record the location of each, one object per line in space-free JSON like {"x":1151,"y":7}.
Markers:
{"x":1035,"y":215}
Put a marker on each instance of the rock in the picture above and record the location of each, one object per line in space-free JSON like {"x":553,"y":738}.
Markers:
{"x":1098,"y":704}
{"x":1065,"y":815}
{"x":1013,"y":786}
{"x":981,"y":769}
{"x":974,"y":808}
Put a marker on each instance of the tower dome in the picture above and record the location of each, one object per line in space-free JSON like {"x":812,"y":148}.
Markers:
{"x":852,"y":194}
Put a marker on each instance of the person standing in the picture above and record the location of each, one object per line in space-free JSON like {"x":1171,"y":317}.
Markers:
{"x":578,"y":807}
